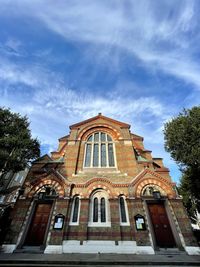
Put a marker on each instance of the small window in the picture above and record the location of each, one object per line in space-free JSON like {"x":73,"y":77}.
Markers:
{"x":18,"y":178}
{"x":103,"y":210}
{"x":111,"y":155}
{"x":95,"y":210}
{"x":75,"y":211}
{"x":2,"y":199}
{"x":88,"y":155}
{"x":123,"y":211}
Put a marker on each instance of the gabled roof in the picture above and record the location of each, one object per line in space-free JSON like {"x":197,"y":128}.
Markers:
{"x":47,"y":160}
{"x":44,"y":158}
{"x":137,"y":137}
{"x":100,"y":116}
{"x":64,"y":138}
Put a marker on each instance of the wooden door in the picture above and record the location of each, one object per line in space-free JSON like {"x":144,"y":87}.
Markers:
{"x":162,"y":229}
{"x":37,"y":229}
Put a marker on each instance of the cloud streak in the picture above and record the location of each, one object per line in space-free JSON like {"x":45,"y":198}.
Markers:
{"x":115,"y":57}
{"x":154,"y":32}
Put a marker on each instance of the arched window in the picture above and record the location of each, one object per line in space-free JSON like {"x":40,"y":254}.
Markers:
{"x":99,"y":151}
{"x":99,"y":209}
{"x":103,"y":210}
{"x":75,"y":211}
{"x":124,"y":218}
{"x":95,"y":210}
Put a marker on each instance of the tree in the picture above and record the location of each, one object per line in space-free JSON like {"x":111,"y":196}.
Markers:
{"x":17,"y":147}
{"x":189,"y":201}
{"x":182,"y":140}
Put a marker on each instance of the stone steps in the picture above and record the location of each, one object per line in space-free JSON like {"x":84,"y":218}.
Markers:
{"x":103,"y":260}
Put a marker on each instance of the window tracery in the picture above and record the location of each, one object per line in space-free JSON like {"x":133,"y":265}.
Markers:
{"x":99,"y":151}
{"x":99,"y":209}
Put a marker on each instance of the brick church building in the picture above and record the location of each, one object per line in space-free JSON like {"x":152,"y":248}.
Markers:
{"x":100,"y":192}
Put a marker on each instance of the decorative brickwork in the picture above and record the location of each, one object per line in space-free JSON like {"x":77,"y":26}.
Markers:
{"x":18,"y":219}
{"x":141,"y":237}
{"x":183,"y":222}
{"x":56,"y":181}
{"x":61,"y":207}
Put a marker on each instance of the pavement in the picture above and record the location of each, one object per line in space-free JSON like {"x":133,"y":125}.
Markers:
{"x":73,"y":260}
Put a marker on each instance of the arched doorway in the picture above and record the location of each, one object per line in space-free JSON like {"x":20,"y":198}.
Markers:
{"x":40,"y":218}
{"x":155,"y":199}
{"x":38,"y":225}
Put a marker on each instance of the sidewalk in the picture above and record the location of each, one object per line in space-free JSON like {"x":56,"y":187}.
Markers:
{"x":22,"y":259}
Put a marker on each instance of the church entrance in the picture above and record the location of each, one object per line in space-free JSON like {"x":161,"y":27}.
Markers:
{"x":161,"y":226}
{"x":38,"y":225}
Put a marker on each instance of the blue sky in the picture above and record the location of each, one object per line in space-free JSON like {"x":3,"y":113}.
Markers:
{"x":65,"y":61}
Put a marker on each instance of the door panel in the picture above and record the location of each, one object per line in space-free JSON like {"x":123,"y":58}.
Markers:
{"x":37,"y":229}
{"x":162,"y":229}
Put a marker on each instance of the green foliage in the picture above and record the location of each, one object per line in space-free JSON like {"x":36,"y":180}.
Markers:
{"x":182,"y":140}
{"x":189,"y":201}
{"x":17,"y":147}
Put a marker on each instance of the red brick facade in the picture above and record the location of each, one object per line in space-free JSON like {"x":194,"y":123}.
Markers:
{"x":61,"y":178}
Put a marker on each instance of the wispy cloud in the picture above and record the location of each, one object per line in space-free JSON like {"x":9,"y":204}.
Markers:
{"x":154,"y":32}
{"x":53,"y":106}
{"x":117,"y":45}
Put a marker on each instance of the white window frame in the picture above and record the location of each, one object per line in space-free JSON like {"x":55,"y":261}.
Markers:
{"x":99,"y":194}
{"x":72,"y":211}
{"x":127,"y":223}
{"x":2,"y":198}
{"x":99,"y":146}
{"x":19,"y":177}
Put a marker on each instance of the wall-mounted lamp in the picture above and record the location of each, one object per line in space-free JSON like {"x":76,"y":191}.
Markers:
{"x":156,"y":195}
{"x":41,"y":195}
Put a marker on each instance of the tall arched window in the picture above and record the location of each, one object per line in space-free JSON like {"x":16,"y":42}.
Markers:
{"x":99,"y":151}
{"x":123,"y":210}
{"x":99,"y":209}
{"x":75,"y":211}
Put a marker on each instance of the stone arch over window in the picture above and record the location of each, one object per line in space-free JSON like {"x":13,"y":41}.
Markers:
{"x":97,"y":183}
{"x":123,"y":211}
{"x":99,"y":151}
{"x":111,"y":130}
{"x":75,"y":211}
{"x":99,"y":211}
{"x":48,"y":185}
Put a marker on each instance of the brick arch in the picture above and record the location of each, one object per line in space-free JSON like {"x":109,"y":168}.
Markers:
{"x":122,"y":194}
{"x":47,"y":181}
{"x":165,"y":186}
{"x":112,"y":131}
{"x":99,"y":184}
